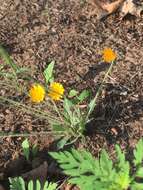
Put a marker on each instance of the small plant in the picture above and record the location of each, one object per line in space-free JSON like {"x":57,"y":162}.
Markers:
{"x":71,"y":118}
{"x":74,"y":117}
{"x":66,"y":113}
{"x":27,"y":150}
{"x":89,"y":173}
{"x":18,"y":183}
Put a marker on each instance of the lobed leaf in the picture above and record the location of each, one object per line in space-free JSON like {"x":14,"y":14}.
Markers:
{"x":30,"y":185}
{"x":139,"y":172}
{"x":138,"y":153}
{"x":137,"y":186}
{"x":106,"y":164}
{"x":18,"y":183}
{"x":79,"y":165}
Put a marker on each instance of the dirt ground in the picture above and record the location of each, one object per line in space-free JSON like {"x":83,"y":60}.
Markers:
{"x":36,"y":32}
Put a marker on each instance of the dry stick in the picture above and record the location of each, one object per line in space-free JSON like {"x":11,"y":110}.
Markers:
{"x":31,"y":110}
{"x":13,"y":86}
{"x":5,"y":135}
{"x":100,"y":89}
{"x":57,"y":110}
{"x":7,"y":85}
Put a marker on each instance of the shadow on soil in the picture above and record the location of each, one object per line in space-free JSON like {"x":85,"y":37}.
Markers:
{"x":114,"y":114}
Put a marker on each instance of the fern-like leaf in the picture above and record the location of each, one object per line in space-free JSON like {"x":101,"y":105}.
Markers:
{"x":18,"y":183}
{"x":83,"y":169}
{"x":30,"y":185}
{"x":50,"y":186}
{"x":138,"y":153}
{"x":106,"y":164}
{"x":122,"y":163}
{"x":75,"y":163}
{"x":137,"y":186}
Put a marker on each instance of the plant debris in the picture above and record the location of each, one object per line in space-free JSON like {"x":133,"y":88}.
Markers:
{"x":130,"y":7}
{"x":103,"y":9}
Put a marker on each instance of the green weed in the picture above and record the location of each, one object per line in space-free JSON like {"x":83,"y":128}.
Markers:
{"x":89,"y":173}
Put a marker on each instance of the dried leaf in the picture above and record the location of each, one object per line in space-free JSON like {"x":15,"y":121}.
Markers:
{"x":130,"y":7}
{"x":104,"y":9}
{"x":112,"y":7}
{"x":98,"y":11}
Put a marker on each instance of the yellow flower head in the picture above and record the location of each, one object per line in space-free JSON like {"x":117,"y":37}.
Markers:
{"x":56,"y":91}
{"x":109,"y":55}
{"x":37,"y":93}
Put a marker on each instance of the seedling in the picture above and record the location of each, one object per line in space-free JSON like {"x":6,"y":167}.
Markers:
{"x":26,"y":149}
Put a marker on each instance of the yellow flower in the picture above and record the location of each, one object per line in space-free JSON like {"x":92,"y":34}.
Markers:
{"x":109,"y":55}
{"x":56,"y":91}
{"x":37,"y":93}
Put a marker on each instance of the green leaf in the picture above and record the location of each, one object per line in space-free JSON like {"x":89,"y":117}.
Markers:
{"x":46,"y":185}
{"x":85,"y":182}
{"x":26,"y":148}
{"x":58,"y":127}
{"x":17,"y":183}
{"x":83,"y":95}
{"x":138,"y":152}
{"x":120,"y":157}
{"x":67,"y":106}
{"x":122,"y":164}
{"x":137,"y":186}
{"x":123,"y":180}
{"x":30,"y":185}
{"x":73,"y":93}
{"x":34,"y":150}
{"x":7,"y":59}
{"x":38,"y":185}
{"x":105,"y":163}
{"x":52,"y":186}
{"x":77,"y":164}
{"x":139,"y":172}
{"x":91,"y":106}
{"x":62,"y":143}
{"x":22,"y":70}
{"x":48,"y":72}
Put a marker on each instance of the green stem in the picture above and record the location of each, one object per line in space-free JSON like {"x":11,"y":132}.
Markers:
{"x":99,"y":90}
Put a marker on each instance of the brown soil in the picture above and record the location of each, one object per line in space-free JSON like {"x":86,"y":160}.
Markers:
{"x":37,"y":31}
